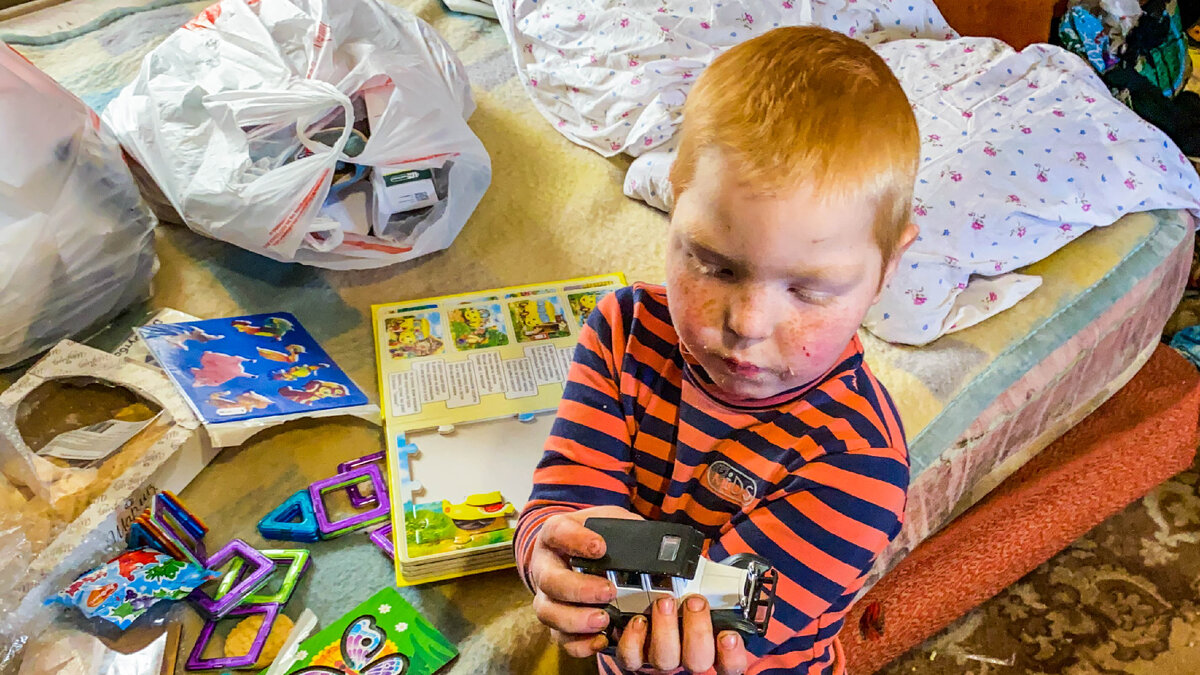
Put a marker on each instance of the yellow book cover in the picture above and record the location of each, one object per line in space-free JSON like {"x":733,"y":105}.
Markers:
{"x":479,"y":356}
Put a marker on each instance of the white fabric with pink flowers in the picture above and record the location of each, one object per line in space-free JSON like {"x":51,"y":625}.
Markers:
{"x":612,"y":75}
{"x":1021,"y":152}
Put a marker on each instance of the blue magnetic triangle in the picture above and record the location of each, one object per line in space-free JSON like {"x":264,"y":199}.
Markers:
{"x":187,"y":519}
{"x":293,"y":520}
{"x":138,"y":537}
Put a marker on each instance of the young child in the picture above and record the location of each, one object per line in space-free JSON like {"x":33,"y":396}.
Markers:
{"x":736,"y":399}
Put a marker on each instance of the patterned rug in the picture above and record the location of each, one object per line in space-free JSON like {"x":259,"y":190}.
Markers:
{"x":1125,"y":598}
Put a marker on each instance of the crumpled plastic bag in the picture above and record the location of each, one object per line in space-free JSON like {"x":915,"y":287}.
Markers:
{"x":76,"y":239}
{"x":247,"y":116}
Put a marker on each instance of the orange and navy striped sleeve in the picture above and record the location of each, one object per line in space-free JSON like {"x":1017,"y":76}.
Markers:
{"x":590,"y":441}
{"x":814,"y":481}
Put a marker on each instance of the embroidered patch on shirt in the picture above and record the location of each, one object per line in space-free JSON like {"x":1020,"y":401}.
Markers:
{"x":730,"y":483}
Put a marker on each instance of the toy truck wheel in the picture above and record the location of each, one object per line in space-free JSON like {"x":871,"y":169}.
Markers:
{"x":616,"y":621}
{"x":760,"y":589}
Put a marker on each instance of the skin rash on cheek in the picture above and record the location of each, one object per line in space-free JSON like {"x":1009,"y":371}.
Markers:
{"x":766,"y":292}
{"x":808,"y":330}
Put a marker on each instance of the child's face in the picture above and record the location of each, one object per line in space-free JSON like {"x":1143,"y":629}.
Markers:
{"x":766,"y":292}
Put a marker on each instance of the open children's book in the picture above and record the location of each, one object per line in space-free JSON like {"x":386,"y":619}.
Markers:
{"x":478,"y":367}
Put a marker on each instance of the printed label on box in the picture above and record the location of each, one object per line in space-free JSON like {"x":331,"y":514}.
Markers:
{"x":409,"y":190}
{"x":95,"y":442}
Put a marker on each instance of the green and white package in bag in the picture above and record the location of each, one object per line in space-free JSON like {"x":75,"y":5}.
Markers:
{"x":252,"y":119}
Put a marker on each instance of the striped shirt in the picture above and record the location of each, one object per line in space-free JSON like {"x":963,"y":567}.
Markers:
{"x":813,"y":480}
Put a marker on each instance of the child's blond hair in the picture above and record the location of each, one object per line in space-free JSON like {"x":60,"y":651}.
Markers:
{"x":806,"y":106}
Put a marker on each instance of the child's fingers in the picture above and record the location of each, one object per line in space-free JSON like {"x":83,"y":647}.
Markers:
{"x":569,"y":618}
{"x":566,"y":585}
{"x":732,"y":658}
{"x":698,"y":649}
{"x":579,"y":646}
{"x":549,"y":573}
{"x":567,"y":536}
{"x":663,"y":653}
{"x":632,"y":645}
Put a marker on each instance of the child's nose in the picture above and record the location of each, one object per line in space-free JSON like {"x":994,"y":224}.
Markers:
{"x":748,"y":315}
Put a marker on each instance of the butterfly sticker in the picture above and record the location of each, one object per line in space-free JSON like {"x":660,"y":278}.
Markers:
{"x":361,"y":642}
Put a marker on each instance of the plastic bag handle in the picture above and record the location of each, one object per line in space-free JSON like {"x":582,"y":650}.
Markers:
{"x":303,"y":102}
{"x":347,"y":127}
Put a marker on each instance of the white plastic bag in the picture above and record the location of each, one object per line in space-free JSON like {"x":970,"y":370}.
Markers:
{"x":227,"y":117}
{"x":76,"y":239}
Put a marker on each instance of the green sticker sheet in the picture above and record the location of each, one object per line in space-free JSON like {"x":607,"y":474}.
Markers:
{"x":382,"y":636}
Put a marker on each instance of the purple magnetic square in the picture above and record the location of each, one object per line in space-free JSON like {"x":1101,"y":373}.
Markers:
{"x":270,"y":612}
{"x":258,"y":567}
{"x":383,"y":539}
{"x":357,"y":499}
{"x":358,"y":520}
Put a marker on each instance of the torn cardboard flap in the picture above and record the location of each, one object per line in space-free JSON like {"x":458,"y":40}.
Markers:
{"x":73,"y":361}
{"x":70,"y":359}
{"x":231,"y":434}
{"x":95,"y":506}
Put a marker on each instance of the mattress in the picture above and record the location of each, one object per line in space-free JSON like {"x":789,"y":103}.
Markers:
{"x":979,"y":403}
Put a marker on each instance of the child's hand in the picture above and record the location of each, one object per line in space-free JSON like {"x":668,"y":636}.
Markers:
{"x":559,"y":590}
{"x":695,"y":650}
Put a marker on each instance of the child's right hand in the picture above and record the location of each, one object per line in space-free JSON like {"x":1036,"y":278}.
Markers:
{"x":560,"y":591}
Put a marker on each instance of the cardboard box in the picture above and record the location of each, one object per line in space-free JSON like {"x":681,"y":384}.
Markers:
{"x":173,"y":459}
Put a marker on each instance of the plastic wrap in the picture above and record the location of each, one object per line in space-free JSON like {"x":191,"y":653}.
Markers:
{"x":60,"y":650}
{"x":76,"y":239}
{"x":62,"y":408}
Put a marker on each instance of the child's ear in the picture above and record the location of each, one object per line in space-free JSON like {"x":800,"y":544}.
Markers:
{"x":906,"y":239}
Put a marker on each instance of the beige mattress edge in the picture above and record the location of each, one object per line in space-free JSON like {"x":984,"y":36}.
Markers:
{"x":1060,"y":426}
{"x":1059,"y":391}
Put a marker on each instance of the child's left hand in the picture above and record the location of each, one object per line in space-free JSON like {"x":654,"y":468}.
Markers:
{"x":696,"y":649}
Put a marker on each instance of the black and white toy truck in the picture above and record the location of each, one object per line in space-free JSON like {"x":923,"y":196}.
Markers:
{"x":647,"y":560}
